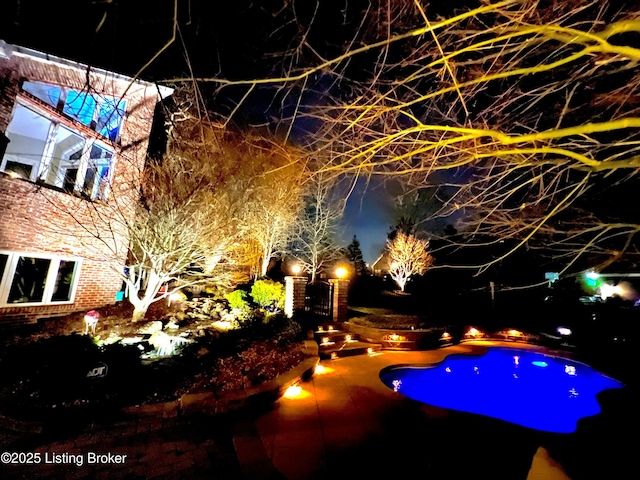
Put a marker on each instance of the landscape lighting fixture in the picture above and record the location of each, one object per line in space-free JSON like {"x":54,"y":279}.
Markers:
{"x":292,"y":391}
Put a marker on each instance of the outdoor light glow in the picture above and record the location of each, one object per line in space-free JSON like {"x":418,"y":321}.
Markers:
{"x":370,"y":351}
{"x":176,"y":297}
{"x":330,"y":328}
{"x":446,"y":335}
{"x":296,"y":269}
{"x":325,"y":340}
{"x":292,"y":391}
{"x":341,"y":272}
{"x":14,"y":175}
{"x":514,"y":333}
{"x":334,"y":355}
{"x":320,"y":329}
{"x":320,"y":369}
{"x":607,"y":291}
{"x":347,"y":338}
{"x":592,"y":279}
{"x":473,"y":332}
{"x":222,"y":325}
{"x":564,"y":331}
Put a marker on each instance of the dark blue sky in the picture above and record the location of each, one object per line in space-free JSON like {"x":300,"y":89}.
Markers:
{"x":369,"y":215}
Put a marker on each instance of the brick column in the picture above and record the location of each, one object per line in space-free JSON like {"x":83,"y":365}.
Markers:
{"x":295,"y":290}
{"x":340,"y":291}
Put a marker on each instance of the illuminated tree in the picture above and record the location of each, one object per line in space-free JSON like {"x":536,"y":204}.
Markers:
{"x":273,"y":176}
{"x":408,"y":256}
{"x":183,"y":228}
{"x":314,"y":244}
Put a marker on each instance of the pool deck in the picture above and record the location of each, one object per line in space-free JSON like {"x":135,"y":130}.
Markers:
{"x":347,"y":424}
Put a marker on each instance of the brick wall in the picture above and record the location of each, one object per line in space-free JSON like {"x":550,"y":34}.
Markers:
{"x":37,"y":219}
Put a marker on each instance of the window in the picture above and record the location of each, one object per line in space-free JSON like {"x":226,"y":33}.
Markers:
{"x":28,"y":133}
{"x":102,"y":113}
{"x":43,"y":149}
{"x":3,"y":264}
{"x":64,"y":281}
{"x":37,"y":279}
{"x":49,"y":94}
{"x":29,"y":279}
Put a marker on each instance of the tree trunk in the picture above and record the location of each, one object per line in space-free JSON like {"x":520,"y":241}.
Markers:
{"x":141,"y":305}
{"x":139,"y":313}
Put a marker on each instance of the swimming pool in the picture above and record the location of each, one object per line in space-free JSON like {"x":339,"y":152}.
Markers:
{"x":527,"y":388}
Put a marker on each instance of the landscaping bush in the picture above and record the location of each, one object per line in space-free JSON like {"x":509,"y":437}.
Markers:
{"x":269,"y":295}
{"x":238,"y":299}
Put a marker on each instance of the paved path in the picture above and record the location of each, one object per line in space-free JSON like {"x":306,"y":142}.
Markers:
{"x":189,"y":447}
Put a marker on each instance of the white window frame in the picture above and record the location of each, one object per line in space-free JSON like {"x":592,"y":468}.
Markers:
{"x":40,"y":173}
{"x":50,"y":282}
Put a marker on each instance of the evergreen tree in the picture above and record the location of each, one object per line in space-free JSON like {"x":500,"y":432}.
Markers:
{"x":354,"y":255}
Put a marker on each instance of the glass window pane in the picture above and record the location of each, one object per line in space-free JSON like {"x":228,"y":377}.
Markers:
{"x":110,"y":117}
{"x":97,"y":177}
{"x":27,"y":135}
{"x":4,"y":258}
{"x":65,"y":159}
{"x":80,"y":106}
{"x":19,"y":169}
{"x":29,"y":280}
{"x":64,"y":281}
{"x":49,"y":94}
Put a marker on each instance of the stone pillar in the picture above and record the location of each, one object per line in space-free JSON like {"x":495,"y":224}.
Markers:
{"x":295,"y":292}
{"x":340,"y":292}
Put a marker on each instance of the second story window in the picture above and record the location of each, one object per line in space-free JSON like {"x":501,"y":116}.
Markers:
{"x":49,"y":149}
{"x":101,"y":113}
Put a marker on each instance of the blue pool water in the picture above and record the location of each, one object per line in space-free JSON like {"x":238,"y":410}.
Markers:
{"x":527,"y":388}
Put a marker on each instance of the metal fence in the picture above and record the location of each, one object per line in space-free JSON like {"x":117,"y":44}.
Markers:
{"x":319,"y":299}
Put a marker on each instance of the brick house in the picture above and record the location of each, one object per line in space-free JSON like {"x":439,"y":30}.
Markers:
{"x":73,"y":142}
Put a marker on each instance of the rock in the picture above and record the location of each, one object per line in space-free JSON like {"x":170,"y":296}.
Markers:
{"x":152,"y":327}
{"x":172,"y":326}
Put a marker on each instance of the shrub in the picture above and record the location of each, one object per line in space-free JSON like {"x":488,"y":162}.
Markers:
{"x":237,"y":299}
{"x":269,"y":295}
